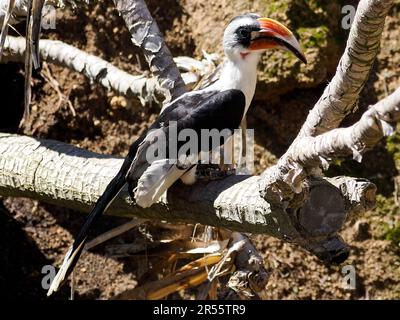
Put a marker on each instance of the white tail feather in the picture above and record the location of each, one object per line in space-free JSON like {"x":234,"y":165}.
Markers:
{"x":59,"y":278}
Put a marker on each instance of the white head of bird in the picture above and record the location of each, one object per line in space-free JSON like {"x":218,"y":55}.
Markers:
{"x":245,"y":38}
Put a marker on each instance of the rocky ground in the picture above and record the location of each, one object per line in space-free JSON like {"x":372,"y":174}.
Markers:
{"x":36,"y":234}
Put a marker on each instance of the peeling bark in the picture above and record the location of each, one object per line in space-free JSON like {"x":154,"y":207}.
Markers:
{"x":359,"y":194}
{"x":144,"y":87}
{"x":318,"y":141}
{"x":147,"y":36}
{"x":250,"y":276}
{"x":56,"y":172}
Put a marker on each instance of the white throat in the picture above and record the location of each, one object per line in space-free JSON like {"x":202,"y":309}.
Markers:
{"x":241,"y":74}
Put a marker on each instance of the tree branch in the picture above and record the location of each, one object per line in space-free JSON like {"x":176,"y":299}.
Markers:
{"x":98,"y":70}
{"x":286,"y":181}
{"x":341,"y":95}
{"x":352,"y":141}
{"x":65,"y":175}
{"x":359,"y":194}
{"x":5,"y":24}
{"x":94,"y":68}
{"x":307,"y":154}
{"x":147,"y":36}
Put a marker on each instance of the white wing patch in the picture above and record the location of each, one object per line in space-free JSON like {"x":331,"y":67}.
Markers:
{"x":157,"y":178}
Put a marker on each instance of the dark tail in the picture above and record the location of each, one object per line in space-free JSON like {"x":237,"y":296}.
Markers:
{"x":112,"y":190}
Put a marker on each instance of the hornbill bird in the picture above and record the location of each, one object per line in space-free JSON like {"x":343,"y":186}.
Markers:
{"x":221,"y":106}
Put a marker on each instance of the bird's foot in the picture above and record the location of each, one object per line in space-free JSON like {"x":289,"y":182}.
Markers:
{"x":209,"y":172}
{"x":131,"y":191}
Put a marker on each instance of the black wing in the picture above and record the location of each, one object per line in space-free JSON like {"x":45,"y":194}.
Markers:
{"x":221,"y":110}
{"x":148,"y":180}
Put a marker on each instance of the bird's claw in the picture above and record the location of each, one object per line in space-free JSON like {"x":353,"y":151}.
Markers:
{"x":209,"y":172}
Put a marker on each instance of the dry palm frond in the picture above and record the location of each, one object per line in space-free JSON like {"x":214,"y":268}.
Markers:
{"x":170,"y":265}
{"x":46,"y":73}
{"x":220,"y":259}
{"x":234,"y":256}
{"x":166,"y":247}
{"x":190,"y":275}
{"x":114,"y":233}
{"x":164,"y":265}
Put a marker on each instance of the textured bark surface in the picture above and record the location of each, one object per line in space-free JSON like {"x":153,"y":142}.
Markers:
{"x":352,"y":141}
{"x":147,"y":36}
{"x":359,"y":194}
{"x":65,"y":175}
{"x":250,"y":276}
{"x":94,"y":68}
{"x":60,"y":173}
{"x":306,"y":155}
{"x":284,"y":202}
{"x":286,"y":181}
{"x":341,"y":95}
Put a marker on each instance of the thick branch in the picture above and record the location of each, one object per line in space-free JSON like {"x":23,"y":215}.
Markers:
{"x":98,"y":70}
{"x":286,"y":181}
{"x":62,"y":174}
{"x":147,"y":36}
{"x":340,"y":97}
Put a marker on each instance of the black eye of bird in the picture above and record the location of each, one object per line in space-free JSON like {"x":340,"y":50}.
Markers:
{"x":243,"y":32}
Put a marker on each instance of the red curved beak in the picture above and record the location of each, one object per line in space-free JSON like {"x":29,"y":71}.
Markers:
{"x":273,"y":35}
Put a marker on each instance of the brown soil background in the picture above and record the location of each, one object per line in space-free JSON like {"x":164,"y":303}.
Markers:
{"x":34,"y":234}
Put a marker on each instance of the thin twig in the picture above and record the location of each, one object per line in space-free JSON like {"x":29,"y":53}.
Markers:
{"x":114,"y":233}
{"x":46,"y":73}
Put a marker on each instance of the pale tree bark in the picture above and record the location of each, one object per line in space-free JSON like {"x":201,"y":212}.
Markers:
{"x":374,"y":124}
{"x":341,"y":95}
{"x":287,"y":180}
{"x":94,"y":68}
{"x":147,"y":36}
{"x":21,"y":9}
{"x":5,"y":23}
{"x":309,"y":153}
{"x":144,"y":87}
